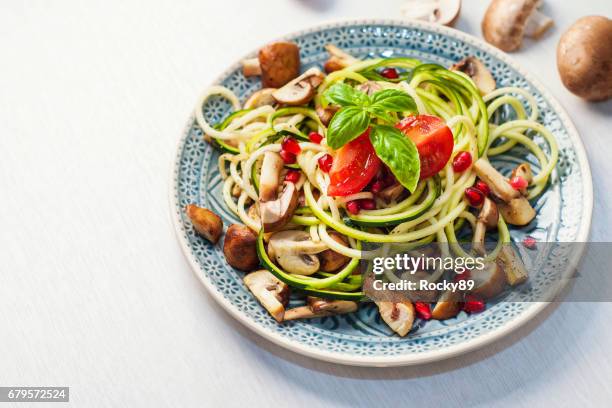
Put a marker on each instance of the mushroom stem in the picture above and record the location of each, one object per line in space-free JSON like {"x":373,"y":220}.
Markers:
{"x":251,"y":67}
{"x":537,"y":24}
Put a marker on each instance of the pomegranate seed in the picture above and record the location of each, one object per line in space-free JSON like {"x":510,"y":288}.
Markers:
{"x":482,"y":186}
{"x":473,"y":305}
{"x":367,"y":204}
{"x":389,"y":73}
{"x":529,"y":242}
{"x":422,"y":310}
{"x":462,"y":161}
{"x":288,"y":157}
{"x":474,"y":196}
{"x":291,"y":145}
{"x":462,"y":276}
{"x":377,"y":187}
{"x":315,"y":137}
{"x":325,"y":162}
{"x":293,"y":176}
{"x":518,"y":183}
{"x":353,"y":207}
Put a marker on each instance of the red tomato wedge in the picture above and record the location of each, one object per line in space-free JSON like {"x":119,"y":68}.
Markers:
{"x":355,"y":165}
{"x":433,"y":140}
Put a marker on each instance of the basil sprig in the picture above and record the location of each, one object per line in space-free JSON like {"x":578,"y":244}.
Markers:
{"x":358,"y":111}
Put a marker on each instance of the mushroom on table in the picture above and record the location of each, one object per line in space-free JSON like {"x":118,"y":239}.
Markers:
{"x":506,"y":22}
{"x":444,"y":12}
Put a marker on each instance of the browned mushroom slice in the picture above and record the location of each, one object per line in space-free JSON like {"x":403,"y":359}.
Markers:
{"x":331,"y":260}
{"x":326,"y":114}
{"x":338,"y":59}
{"x":260,"y":98}
{"x":399,"y":316}
{"x":301,"y":90}
{"x":318,"y":307}
{"x":277,"y":213}
{"x":295,"y":251}
{"x":507,"y":21}
{"x":448,"y":305}
{"x":487,"y":219}
{"x":269,"y":291}
{"x":392,"y":193}
{"x":523,"y":170}
{"x":489,"y":281}
{"x":369,"y":87}
{"x":515,"y":209}
{"x":517,"y":212}
{"x":205,"y":222}
{"x":240,"y":248}
{"x":513,"y":266}
{"x":475,"y":69}
{"x":269,"y":180}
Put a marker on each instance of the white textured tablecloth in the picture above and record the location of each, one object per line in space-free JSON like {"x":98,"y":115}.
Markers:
{"x":95,"y":293}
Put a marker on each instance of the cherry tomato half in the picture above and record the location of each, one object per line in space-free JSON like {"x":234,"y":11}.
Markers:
{"x":355,"y":165}
{"x":433,"y":140}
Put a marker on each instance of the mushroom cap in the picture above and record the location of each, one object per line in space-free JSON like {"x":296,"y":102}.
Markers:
{"x":476,"y":69}
{"x":280,"y":63}
{"x":584,"y":58}
{"x":504,"y":22}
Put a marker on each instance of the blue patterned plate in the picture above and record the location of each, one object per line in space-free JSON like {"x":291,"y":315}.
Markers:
{"x":564,"y":211}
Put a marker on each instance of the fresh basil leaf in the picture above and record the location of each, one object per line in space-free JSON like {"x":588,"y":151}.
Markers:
{"x":393,"y":100}
{"x":346,"y":125}
{"x":399,"y":153}
{"x":345,"y":95}
{"x":382,"y":114}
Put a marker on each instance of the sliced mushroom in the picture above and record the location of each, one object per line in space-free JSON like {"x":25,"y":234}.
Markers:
{"x":495,"y":180}
{"x":269,"y":291}
{"x":277,"y":213}
{"x":295,"y":252}
{"x":240,"y":248}
{"x":476,"y":69}
{"x":513,"y":266}
{"x":392,"y":193}
{"x":331,"y":260}
{"x":507,"y":21}
{"x":253,"y":212}
{"x":277,"y":63}
{"x":301,"y":90}
{"x":318,"y":307}
{"x":260,"y":98}
{"x":489,"y":281}
{"x":369,"y":87}
{"x":269,"y":180}
{"x":487,"y":219}
{"x":515,"y":208}
{"x":523,"y":170}
{"x":447,"y":306}
{"x":205,"y":222}
{"x":326,"y":114}
{"x":443,"y":12}
{"x":338,"y":59}
{"x":517,"y":211}
{"x":584,"y":58}
{"x":399,"y":316}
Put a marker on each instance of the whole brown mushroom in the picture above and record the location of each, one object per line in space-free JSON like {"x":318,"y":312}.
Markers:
{"x":584,"y":58}
{"x":507,"y":21}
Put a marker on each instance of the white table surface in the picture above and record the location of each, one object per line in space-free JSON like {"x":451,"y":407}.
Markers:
{"x":95,"y":292}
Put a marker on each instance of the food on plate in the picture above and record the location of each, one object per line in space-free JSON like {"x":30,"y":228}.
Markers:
{"x":584,"y":58}
{"x":506,"y":22}
{"x":205,"y":222}
{"x":443,"y":12}
{"x":403,"y":158}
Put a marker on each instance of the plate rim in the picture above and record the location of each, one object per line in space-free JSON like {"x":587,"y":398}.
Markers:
{"x":407,"y":359}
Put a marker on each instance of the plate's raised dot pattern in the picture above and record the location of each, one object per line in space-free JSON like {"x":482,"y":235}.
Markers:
{"x":363,"y":333}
